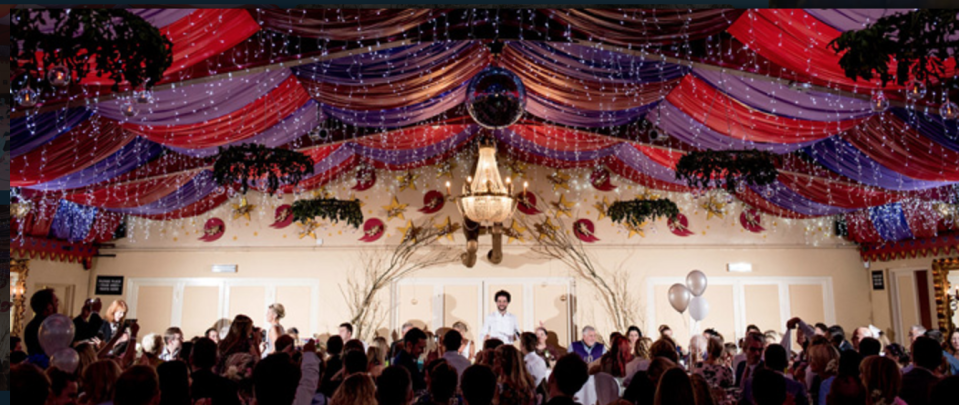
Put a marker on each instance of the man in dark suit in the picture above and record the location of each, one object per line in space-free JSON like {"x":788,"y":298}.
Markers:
{"x":753,"y":346}
{"x":414,"y":342}
{"x":918,"y":382}
{"x":44,"y":303}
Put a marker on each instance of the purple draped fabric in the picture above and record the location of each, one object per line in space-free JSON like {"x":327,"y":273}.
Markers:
{"x":643,"y":164}
{"x":785,"y":197}
{"x":406,"y":156}
{"x":852,"y":19}
{"x":841,"y":157}
{"x":519,"y":142}
{"x":565,"y":115}
{"x":161,"y":17}
{"x":584,"y":62}
{"x":191,"y":192}
{"x":776,"y":98}
{"x":129,"y":157}
{"x":890,"y":222}
{"x":681,"y":126}
{"x":28,"y":133}
{"x":386,"y":66}
{"x":72,"y":221}
{"x":285,"y":131}
{"x":945,"y":133}
{"x":197,"y":103}
{"x":403,"y":116}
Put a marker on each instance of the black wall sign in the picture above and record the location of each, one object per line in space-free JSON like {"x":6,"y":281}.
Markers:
{"x":109,"y":285}
{"x":878,"y":282}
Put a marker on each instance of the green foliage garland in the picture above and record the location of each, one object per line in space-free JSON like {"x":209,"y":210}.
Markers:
{"x":636,"y":212}
{"x":251,"y":163}
{"x":329,"y":208}
{"x":920,"y":46}
{"x":124,"y":46}
{"x":709,"y":168}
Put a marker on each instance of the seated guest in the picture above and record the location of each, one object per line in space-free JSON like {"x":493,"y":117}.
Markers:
{"x":63,"y":387}
{"x":275,"y":380}
{"x":357,"y":389}
{"x":206,"y":384}
{"x":492,"y":344}
{"x":139,"y":385}
{"x":544,"y":349}
{"x":452,"y":342}
{"x":768,"y":388}
{"x":413,"y":345}
{"x":568,"y":377}
{"x":882,"y":380}
{"x":662,"y":348}
{"x":516,"y":386}
{"x":674,"y":388}
{"x":393,"y":387}
{"x":442,"y":384}
{"x":918,"y":382}
{"x":714,"y":369}
{"x":588,"y":349}
{"x":869,"y":347}
{"x":479,"y":385}
{"x":702,"y":392}
{"x":615,"y":360}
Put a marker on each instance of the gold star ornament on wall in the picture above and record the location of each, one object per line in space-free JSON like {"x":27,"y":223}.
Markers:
{"x":558,"y":180}
{"x":395,"y":209}
{"x":635,"y":230}
{"x":307,"y":228}
{"x":546,"y":229}
{"x":713,"y":207}
{"x":447,"y":229}
{"x":445,"y":169}
{"x":602,"y":207}
{"x":514,"y":232}
{"x":562,"y":206}
{"x":406,"y":181}
{"x":243,"y":209}
{"x":410,"y":231}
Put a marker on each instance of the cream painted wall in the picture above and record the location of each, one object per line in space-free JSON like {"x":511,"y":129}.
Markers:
{"x":882,"y":302}
{"x":51,"y":273}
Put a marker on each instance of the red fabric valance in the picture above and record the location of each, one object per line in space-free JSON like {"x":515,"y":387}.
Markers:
{"x":134,"y":194}
{"x":836,"y":193}
{"x":897,"y":146}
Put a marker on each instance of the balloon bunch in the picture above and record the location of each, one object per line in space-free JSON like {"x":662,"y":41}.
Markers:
{"x":690,"y":296}
{"x":56,"y":336}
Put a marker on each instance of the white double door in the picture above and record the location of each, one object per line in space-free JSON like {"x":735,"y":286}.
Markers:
{"x":435,"y":303}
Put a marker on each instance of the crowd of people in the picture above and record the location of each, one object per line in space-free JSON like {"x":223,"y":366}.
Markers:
{"x":807,"y":364}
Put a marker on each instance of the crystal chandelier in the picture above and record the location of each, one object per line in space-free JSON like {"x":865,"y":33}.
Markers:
{"x":486,"y":202}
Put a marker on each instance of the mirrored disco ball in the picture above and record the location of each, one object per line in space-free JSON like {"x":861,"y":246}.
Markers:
{"x":496,"y":98}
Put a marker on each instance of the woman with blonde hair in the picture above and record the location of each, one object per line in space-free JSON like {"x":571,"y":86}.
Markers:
{"x":516,"y":386}
{"x":824,"y":362}
{"x":113,"y":319}
{"x":882,"y":379}
{"x":357,"y":389}
{"x":376,"y":355}
{"x":274,"y":313}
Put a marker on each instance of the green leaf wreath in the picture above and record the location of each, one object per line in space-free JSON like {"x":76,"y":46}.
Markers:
{"x":726,"y":169}
{"x":329,"y":208}
{"x":635,"y":212}
{"x":252,"y":163}
{"x":123,"y":46}
{"x":920,"y":42}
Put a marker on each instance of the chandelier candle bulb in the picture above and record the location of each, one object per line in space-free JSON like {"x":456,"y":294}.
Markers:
{"x":448,"y":189}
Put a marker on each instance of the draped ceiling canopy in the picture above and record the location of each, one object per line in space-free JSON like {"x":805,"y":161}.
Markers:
{"x":393,"y":83}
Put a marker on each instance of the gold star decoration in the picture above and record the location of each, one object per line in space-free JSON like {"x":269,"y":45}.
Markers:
{"x":546,"y":229}
{"x":308,"y":228}
{"x":407,"y":181}
{"x":713,"y":207}
{"x":322,"y":192}
{"x":635,"y":230}
{"x":602,"y":207}
{"x":395,"y":209}
{"x":21,"y":209}
{"x":562,"y":206}
{"x":648,"y":195}
{"x":446,"y":169}
{"x":447,"y":229}
{"x":243,"y":209}
{"x":559,"y":180}
{"x":410,"y":231}
{"x":516,"y":167}
{"x":514,"y":232}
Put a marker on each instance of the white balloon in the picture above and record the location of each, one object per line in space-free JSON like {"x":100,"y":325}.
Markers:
{"x":65,"y":359}
{"x":696,"y":281}
{"x":56,"y":332}
{"x":679,"y":296}
{"x":698,"y":308}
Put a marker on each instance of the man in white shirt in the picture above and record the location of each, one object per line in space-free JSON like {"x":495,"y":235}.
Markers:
{"x":501,"y":324}
{"x":452,"y":341}
{"x":535,"y":364}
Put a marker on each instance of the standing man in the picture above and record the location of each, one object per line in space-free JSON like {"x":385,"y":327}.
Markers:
{"x":588,"y":349}
{"x":501,"y":324}
{"x":44,"y":303}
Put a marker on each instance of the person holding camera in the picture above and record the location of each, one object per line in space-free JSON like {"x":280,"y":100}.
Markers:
{"x":88,"y":323}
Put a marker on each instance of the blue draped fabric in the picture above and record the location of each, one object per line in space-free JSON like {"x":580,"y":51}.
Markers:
{"x":841,"y":157}
{"x":72,"y":221}
{"x":565,"y":115}
{"x":191,"y":192}
{"x":519,"y":142}
{"x":890,"y":221}
{"x":785,"y":197}
{"x":403,"y":116}
{"x":33,"y":130}
{"x":129,"y":157}
{"x":681,"y":126}
{"x":384,"y":66}
{"x":407,"y":156}
{"x":595,"y":64}
{"x":943,"y":132}
{"x":643,"y":164}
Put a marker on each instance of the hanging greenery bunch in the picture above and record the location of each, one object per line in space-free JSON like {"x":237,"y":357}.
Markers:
{"x":329,"y":208}
{"x":920,"y":41}
{"x":122,"y":46}
{"x":636,"y":212}
{"x":727,"y":169}
{"x":251,"y":162}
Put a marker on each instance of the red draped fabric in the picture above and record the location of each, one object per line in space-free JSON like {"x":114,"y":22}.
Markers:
{"x":836,"y":193}
{"x":38,"y":221}
{"x":664,"y":157}
{"x":104,"y":226}
{"x":206,"y":204}
{"x":206,"y":33}
{"x":561,"y":139}
{"x":165,"y":164}
{"x":133,"y":194}
{"x":923,"y":218}
{"x":646,"y":26}
{"x":88,"y":143}
{"x":412,"y":138}
{"x":319,"y":153}
{"x":756,"y":201}
{"x":725,"y":115}
{"x":895,"y":145}
{"x":860,"y":227}
{"x":319,"y":179}
{"x":623,"y":170}
{"x":345,"y":24}
{"x":250,"y":120}
{"x":537,"y":159}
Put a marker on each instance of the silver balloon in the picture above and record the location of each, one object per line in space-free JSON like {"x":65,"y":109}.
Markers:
{"x":679,"y":297}
{"x":56,"y":332}
{"x":65,"y":359}
{"x":696,"y":281}
{"x":698,"y":308}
